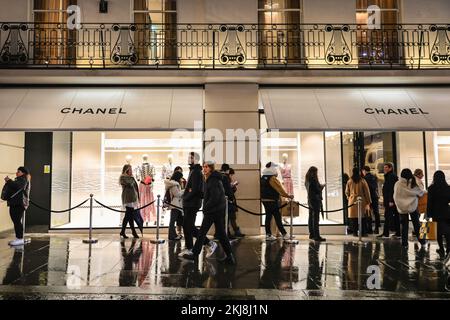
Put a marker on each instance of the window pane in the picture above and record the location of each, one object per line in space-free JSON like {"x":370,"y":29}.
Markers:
{"x":333,"y":193}
{"x":410,"y":151}
{"x":438,"y":153}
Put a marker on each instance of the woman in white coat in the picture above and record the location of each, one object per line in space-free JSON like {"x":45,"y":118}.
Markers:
{"x":406,"y":197}
{"x":173,"y":190}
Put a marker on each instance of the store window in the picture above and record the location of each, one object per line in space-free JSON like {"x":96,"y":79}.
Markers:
{"x":279,"y":32}
{"x":156,"y":33}
{"x":438,"y":153}
{"x":410,"y":151}
{"x":296,"y":152}
{"x":91,"y":162}
{"x":377,"y":43}
{"x":51,"y":36}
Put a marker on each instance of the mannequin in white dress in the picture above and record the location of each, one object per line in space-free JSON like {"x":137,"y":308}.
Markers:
{"x":167,"y":169}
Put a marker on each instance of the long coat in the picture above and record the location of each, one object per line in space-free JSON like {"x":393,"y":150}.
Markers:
{"x":353,"y":191}
{"x":130,"y":192}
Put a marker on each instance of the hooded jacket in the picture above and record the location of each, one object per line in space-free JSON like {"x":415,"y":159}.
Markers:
{"x":193,"y":193}
{"x":214,"y":194}
{"x":129,"y":189}
{"x":176,"y":194}
{"x":406,"y":198}
{"x":21,"y":199}
{"x":271,"y":188}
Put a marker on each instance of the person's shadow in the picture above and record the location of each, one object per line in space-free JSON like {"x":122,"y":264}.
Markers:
{"x":14,"y":272}
{"x":130,"y":256}
{"x":315,"y":267}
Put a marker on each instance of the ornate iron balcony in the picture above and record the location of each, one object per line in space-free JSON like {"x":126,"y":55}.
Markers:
{"x":227,"y":46}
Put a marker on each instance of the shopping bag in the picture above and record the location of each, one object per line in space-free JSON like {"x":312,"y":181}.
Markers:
{"x":422,"y":206}
{"x":285,"y":211}
{"x":428,"y":230}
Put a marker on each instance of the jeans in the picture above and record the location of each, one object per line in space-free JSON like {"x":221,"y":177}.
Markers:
{"x":313,"y":224}
{"x":272,"y":209}
{"x":404,"y":221}
{"x":128,"y":218}
{"x":443,"y":231}
{"x":175,"y":216}
{"x":208,"y":220}
{"x":16,"y":214}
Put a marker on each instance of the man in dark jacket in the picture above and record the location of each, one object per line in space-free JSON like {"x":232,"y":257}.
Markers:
{"x":213,"y":213}
{"x":19,"y":194}
{"x":192,"y":202}
{"x":372,"y":181}
{"x":391,"y":216}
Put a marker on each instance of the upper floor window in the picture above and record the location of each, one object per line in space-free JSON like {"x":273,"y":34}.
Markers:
{"x":279,"y":11}
{"x":51,"y":35}
{"x":278,"y":33}
{"x":378,"y":34}
{"x":156,"y":34}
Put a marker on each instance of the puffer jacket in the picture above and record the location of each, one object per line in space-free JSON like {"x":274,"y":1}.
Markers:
{"x":406,"y":198}
{"x":130,"y":192}
{"x":214,"y":195}
{"x":22,"y":198}
{"x":176,"y":194}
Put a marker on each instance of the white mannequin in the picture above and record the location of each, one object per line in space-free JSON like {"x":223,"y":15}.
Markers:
{"x":167,"y":169}
{"x":286,"y":174}
{"x":128,"y":159}
{"x":145,"y":170}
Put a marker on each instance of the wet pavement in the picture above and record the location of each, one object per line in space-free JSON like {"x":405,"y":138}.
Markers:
{"x":60,"y":266}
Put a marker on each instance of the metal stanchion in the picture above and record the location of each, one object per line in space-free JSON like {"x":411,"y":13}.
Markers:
{"x":157,"y":240}
{"x":91,"y":204}
{"x":360,"y":226}
{"x":291,"y":238}
{"x":226,"y":215}
{"x":26,"y":240}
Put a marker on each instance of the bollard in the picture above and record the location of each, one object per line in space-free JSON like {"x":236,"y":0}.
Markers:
{"x":226,"y":215}
{"x":91,"y":204}
{"x":157,"y":240}
{"x":291,"y":238}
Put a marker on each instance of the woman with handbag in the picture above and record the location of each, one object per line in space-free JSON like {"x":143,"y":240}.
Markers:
{"x":438,"y":210}
{"x":18,"y":195}
{"x":406,"y":198}
{"x":130,"y":199}
{"x":358,"y":187}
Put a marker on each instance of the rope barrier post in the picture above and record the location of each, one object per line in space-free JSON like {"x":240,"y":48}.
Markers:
{"x":291,"y":237}
{"x":26,"y":239}
{"x":157,"y":240}
{"x":91,"y":203}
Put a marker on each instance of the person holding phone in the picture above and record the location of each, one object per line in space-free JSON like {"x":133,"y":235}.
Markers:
{"x":18,"y":202}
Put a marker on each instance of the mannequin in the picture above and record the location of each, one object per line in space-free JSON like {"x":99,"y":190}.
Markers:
{"x":286,"y":175}
{"x":167,"y":169}
{"x":128,"y":159}
{"x":145,"y":174}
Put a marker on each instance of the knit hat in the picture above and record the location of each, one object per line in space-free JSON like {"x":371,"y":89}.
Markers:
{"x":271,"y":169}
{"x":24,"y":170}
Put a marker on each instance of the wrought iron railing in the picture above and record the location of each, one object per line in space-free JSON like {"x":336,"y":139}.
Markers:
{"x":211,"y":46}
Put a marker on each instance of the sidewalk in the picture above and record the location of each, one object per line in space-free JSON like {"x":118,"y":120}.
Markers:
{"x":60,"y":266}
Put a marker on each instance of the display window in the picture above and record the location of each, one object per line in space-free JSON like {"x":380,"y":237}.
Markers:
{"x":87,"y":163}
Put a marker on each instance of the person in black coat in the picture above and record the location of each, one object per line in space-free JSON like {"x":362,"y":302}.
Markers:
{"x":18,"y":202}
{"x":192,"y":202}
{"x":213,"y":213}
{"x":438,"y":210}
{"x":391,"y":216}
{"x":314,"y":189}
{"x":372,"y":181}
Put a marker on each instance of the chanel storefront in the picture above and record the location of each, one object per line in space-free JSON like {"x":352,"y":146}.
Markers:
{"x":78,"y":139}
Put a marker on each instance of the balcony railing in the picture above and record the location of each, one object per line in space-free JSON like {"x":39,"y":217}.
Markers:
{"x":226,"y":46}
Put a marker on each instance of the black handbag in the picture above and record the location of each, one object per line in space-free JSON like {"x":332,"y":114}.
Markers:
{"x":6,"y":194}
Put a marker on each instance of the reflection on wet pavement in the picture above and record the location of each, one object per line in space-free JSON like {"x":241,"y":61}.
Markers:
{"x":310,"y":268}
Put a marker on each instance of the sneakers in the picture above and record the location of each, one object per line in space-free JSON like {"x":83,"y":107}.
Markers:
{"x":184,"y":251}
{"x":270,"y":237}
{"x":212,"y":248}
{"x":320,"y":239}
{"x":17,"y":242}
